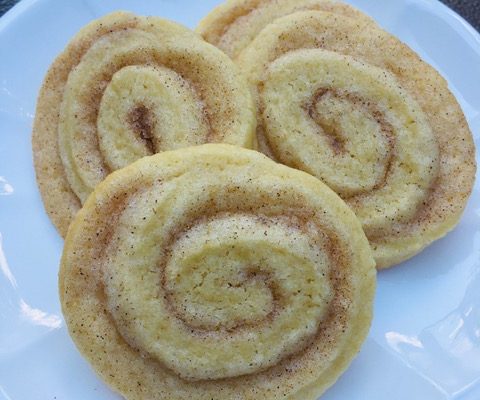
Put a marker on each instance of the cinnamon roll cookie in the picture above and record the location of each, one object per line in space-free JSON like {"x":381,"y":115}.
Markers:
{"x":233,"y":25}
{"x":212,"y":272}
{"x":347,"y":102}
{"x":125,"y":87}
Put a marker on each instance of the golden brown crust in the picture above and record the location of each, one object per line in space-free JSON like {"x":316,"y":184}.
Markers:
{"x":159,"y":244}
{"x":70,"y":156}
{"x":367,"y":43}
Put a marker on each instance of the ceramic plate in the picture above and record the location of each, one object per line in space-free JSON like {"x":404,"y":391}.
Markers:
{"x":425,"y":339}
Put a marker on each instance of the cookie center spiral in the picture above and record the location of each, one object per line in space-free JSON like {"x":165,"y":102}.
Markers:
{"x":239,"y":281}
{"x":215,"y":292}
{"x":342,"y":119}
{"x":145,"y":110}
{"x":351,"y":125}
{"x":142,"y":123}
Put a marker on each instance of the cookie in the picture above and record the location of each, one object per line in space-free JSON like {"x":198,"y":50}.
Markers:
{"x":233,"y":25}
{"x":212,"y":272}
{"x":349,"y":103}
{"x":125,"y":87}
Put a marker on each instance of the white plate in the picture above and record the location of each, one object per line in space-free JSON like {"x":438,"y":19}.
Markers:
{"x":425,"y":338}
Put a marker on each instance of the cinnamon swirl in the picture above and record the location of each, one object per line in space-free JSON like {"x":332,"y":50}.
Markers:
{"x":347,"y":102}
{"x":213,"y":272}
{"x":125,"y":87}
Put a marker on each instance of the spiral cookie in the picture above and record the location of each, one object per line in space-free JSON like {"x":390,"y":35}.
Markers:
{"x":234,"y":24}
{"x":212,"y":272}
{"x":126,"y":87}
{"x":350,"y":104}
